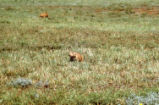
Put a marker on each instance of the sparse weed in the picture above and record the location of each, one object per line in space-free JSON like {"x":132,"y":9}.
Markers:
{"x":149,"y":99}
{"x":22,"y":82}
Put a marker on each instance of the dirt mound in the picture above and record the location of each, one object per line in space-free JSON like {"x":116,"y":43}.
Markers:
{"x":131,"y":10}
{"x":145,"y":10}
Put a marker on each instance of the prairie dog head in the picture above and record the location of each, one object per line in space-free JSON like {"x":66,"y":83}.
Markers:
{"x":72,"y":56}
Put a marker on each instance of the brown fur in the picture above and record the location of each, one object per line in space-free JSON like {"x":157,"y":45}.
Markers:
{"x":74,"y":56}
{"x":44,"y":15}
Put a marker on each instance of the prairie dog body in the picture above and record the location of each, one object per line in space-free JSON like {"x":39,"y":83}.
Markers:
{"x":44,"y":15}
{"x":74,"y":56}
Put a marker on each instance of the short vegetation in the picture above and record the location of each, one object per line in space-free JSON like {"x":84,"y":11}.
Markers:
{"x":119,"y":40}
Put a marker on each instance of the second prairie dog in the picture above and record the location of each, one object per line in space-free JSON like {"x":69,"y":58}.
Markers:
{"x":44,"y":15}
{"x":74,"y":56}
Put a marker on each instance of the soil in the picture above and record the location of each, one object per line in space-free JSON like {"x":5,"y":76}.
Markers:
{"x":138,"y":11}
{"x":148,"y":11}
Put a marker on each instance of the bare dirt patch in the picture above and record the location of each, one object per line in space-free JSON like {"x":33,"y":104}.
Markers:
{"x":138,"y":11}
{"x":148,"y":11}
{"x":128,"y":9}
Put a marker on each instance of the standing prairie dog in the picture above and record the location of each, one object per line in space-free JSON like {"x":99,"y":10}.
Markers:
{"x":44,"y":15}
{"x":74,"y":56}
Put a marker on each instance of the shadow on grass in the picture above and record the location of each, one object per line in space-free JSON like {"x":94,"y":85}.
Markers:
{"x":33,"y":48}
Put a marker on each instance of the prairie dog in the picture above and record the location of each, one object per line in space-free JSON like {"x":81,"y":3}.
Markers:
{"x":74,"y":56}
{"x":44,"y":15}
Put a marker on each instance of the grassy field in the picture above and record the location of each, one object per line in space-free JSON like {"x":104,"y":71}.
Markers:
{"x":118,"y":38}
